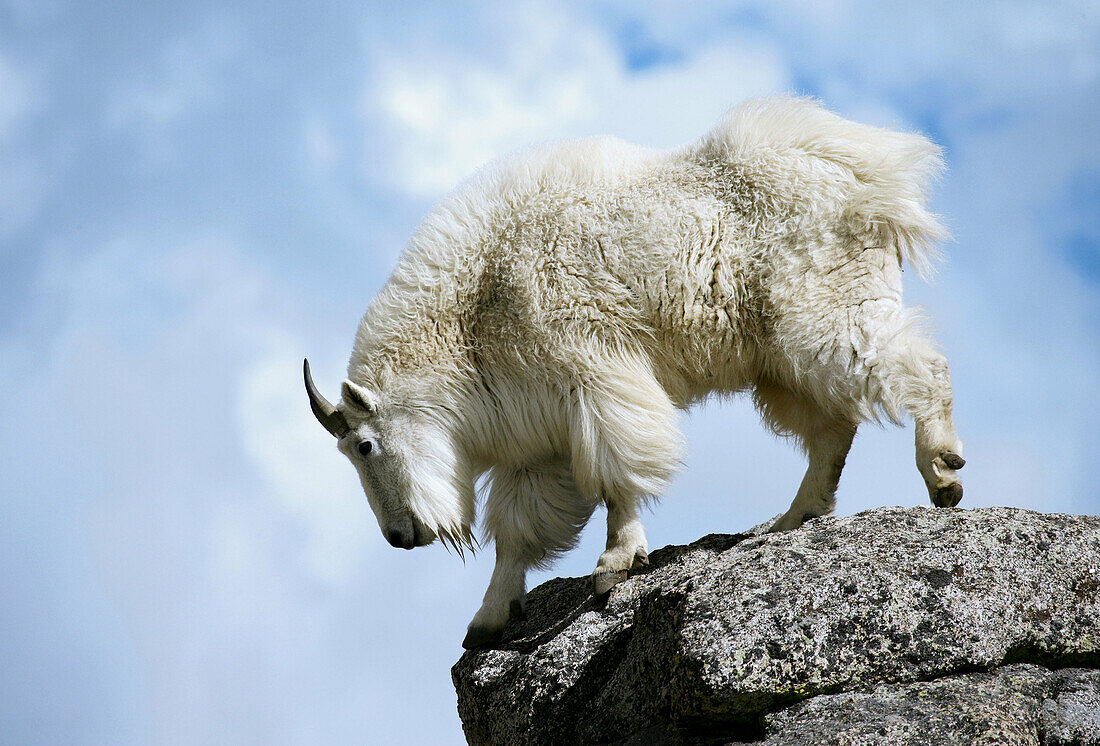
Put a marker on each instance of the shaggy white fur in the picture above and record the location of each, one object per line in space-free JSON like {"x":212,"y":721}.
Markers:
{"x":548,"y":318}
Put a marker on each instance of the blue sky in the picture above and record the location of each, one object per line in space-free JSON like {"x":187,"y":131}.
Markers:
{"x":194,"y":196}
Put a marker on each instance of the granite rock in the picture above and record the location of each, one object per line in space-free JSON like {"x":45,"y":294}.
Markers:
{"x":896,"y":625}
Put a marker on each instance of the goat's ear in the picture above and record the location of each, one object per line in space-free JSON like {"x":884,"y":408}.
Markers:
{"x":356,"y":396}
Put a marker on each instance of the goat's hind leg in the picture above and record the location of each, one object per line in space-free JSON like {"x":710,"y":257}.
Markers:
{"x":914,"y":375}
{"x":827,"y":447}
{"x":533,"y":513}
{"x":826,"y":439}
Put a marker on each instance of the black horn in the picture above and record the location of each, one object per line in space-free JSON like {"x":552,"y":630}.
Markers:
{"x":328,"y":415}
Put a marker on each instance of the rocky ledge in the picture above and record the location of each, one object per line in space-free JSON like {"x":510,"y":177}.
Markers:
{"x":894,"y":626}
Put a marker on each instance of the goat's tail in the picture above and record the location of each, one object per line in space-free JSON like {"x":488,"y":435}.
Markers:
{"x":891,"y":170}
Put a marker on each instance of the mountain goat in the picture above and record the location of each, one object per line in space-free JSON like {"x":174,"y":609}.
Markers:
{"x":549,"y":318}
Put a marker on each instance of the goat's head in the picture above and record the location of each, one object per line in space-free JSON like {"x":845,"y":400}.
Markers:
{"x":415,"y":480}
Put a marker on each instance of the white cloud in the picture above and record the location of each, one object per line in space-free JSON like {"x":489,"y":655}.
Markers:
{"x":554,"y":75}
{"x":311,"y":481}
{"x":669,"y":105}
{"x":196,"y":316}
{"x":447,"y":120}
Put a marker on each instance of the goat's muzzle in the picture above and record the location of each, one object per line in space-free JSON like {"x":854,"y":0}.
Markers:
{"x":401,"y":534}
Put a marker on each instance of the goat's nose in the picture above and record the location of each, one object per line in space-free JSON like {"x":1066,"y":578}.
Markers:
{"x":401,"y":536}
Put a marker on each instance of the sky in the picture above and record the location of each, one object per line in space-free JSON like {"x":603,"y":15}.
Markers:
{"x":195,"y":196}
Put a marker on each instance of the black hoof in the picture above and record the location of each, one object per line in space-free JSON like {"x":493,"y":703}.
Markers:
{"x":948,"y":497}
{"x":516,"y":611}
{"x":953,"y":460}
{"x":604,"y":580}
{"x":480,"y":637}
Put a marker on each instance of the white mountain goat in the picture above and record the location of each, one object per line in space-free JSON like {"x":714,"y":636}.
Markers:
{"x":547,"y":320}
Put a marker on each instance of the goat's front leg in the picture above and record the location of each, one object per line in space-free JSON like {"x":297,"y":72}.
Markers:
{"x":503,"y":599}
{"x":532,"y":513}
{"x":626,"y":545}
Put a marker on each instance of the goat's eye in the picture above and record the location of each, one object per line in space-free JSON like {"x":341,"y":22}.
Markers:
{"x":365,"y":447}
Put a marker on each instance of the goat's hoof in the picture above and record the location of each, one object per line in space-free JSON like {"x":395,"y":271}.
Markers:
{"x":948,"y":497}
{"x":641,"y":559}
{"x":516,"y":610}
{"x":953,"y":460}
{"x":787,"y":522}
{"x":478,"y":636}
{"x":604,"y":580}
